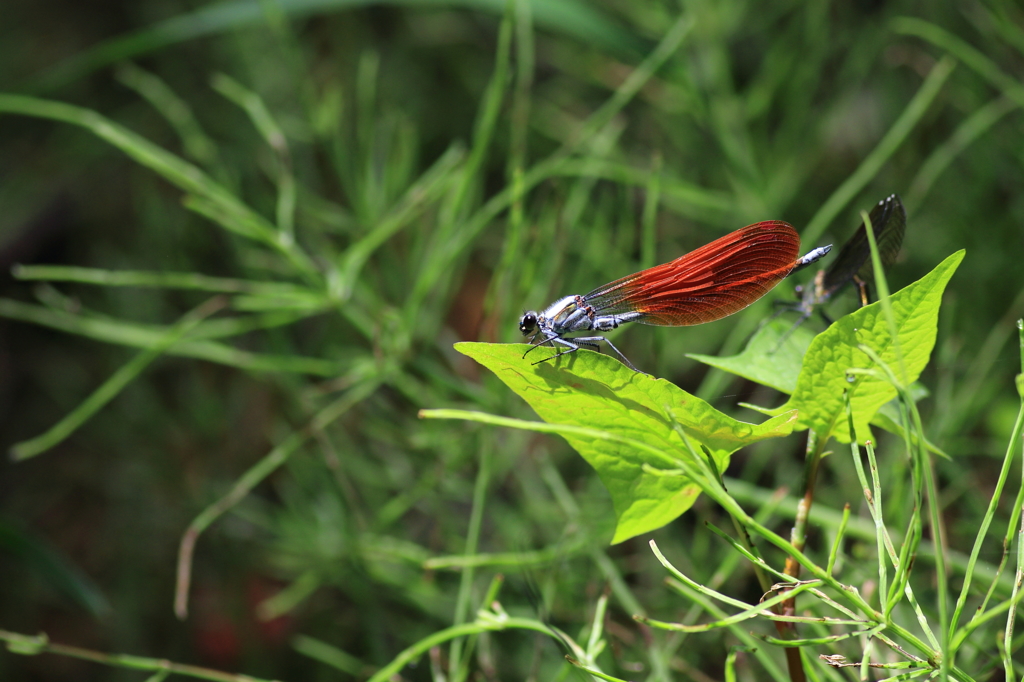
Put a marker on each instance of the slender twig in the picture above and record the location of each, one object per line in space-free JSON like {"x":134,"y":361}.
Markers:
{"x":798,"y":537}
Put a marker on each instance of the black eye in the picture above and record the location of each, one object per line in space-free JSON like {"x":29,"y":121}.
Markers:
{"x":528,"y":322}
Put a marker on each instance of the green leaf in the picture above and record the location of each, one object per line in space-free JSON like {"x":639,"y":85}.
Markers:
{"x":203,"y":195}
{"x":607,"y":408}
{"x":771,"y":357}
{"x":194,"y":346}
{"x":825,"y":373}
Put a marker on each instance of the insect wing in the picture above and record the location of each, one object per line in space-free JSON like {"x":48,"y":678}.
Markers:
{"x":889,"y":238}
{"x":716,"y":280}
{"x":889,"y":222}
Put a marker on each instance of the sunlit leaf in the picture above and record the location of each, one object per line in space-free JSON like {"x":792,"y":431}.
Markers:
{"x":588,"y":389}
{"x":773,"y":356}
{"x":833,"y":353}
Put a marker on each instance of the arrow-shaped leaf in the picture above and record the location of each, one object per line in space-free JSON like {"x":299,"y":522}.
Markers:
{"x":597,"y":392}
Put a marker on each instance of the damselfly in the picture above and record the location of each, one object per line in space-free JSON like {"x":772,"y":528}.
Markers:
{"x":716,"y":280}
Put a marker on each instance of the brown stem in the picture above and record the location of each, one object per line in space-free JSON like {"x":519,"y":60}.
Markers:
{"x":798,"y":537}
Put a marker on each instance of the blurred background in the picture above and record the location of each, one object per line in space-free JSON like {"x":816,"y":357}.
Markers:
{"x":421,"y":173}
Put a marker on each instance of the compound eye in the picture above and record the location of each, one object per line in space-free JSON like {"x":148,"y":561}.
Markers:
{"x":527,"y":323}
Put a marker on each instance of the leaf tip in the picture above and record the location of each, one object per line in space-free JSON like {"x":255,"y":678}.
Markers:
{"x":954,"y":259}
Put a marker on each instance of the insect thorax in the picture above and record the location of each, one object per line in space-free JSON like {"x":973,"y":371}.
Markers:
{"x":568,"y":314}
{"x":573,"y":314}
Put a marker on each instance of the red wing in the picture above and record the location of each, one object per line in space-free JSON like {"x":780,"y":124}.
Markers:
{"x":707,"y":284}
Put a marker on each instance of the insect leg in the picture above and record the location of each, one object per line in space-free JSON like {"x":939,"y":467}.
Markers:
{"x":592,"y":340}
{"x":781,"y":308}
{"x":573,"y":345}
{"x":800,"y":320}
{"x":534,"y":343}
{"x":558,"y":339}
{"x":862,"y":291}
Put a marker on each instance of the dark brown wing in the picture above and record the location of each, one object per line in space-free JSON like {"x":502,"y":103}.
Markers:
{"x":888,"y":222}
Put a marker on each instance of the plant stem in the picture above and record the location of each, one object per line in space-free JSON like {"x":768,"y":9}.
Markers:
{"x":798,"y":537}
{"x":39,"y":644}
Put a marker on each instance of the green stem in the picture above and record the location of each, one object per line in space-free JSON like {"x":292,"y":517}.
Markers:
{"x":460,"y":668}
{"x":40,"y":644}
{"x":110,"y":388}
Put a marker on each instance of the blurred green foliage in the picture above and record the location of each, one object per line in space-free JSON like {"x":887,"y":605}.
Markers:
{"x":369,"y":183}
